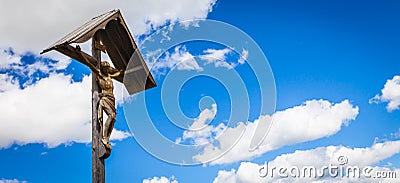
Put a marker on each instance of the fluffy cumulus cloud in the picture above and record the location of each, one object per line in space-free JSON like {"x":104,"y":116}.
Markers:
{"x":33,"y":25}
{"x":160,"y":180}
{"x":312,"y":120}
{"x":295,"y":163}
{"x":390,"y":93}
{"x":54,"y":110}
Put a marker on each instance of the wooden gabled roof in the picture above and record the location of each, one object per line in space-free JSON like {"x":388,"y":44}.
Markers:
{"x":111,"y":29}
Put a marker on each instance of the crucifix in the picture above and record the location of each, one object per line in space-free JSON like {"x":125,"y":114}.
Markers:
{"x":109,"y":34}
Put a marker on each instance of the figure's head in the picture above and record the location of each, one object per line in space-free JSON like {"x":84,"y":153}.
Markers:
{"x":104,"y":66}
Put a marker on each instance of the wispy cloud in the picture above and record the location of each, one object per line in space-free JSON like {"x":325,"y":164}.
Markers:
{"x":179,"y":58}
{"x":395,"y":135}
{"x":12,"y":181}
{"x":14,"y":64}
{"x":182,"y":59}
{"x":160,"y":180}
{"x":217,"y":57}
{"x":243,"y":56}
{"x":200,"y":132}
{"x":7,"y":59}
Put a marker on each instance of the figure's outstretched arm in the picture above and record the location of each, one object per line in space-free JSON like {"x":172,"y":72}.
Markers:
{"x":116,"y":74}
{"x":88,"y":63}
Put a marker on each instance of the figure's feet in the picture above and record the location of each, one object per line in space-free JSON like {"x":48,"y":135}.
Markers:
{"x":106,"y":143}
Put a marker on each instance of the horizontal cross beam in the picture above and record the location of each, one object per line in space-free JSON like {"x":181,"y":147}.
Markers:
{"x":70,"y":51}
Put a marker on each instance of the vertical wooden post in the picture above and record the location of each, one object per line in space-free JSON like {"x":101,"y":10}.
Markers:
{"x":98,"y":167}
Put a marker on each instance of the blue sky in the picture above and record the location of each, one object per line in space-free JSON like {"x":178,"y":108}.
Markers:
{"x":335,"y":70}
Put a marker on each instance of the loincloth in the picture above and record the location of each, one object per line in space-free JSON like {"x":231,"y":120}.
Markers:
{"x":108,"y":101}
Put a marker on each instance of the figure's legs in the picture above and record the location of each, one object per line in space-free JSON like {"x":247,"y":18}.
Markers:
{"x":100,"y":115}
{"x":109,"y":126}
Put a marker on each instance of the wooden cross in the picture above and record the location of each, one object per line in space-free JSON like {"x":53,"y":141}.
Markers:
{"x":109,"y":33}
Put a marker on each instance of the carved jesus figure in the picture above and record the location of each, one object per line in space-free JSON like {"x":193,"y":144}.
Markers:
{"x":107,"y":100}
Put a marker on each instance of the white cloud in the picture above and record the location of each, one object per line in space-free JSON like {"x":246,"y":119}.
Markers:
{"x":217,"y":57}
{"x":226,"y":177}
{"x":318,"y":157}
{"x":38,"y":66}
{"x":243,"y":56}
{"x":212,"y":55}
{"x":12,"y":62}
{"x":395,"y":134}
{"x":11,"y":181}
{"x":182,"y":59}
{"x":390,"y":94}
{"x":161,"y":180}
{"x":165,"y":32}
{"x":119,"y":135}
{"x":34,"y":25}
{"x":150,"y":56}
{"x":179,"y":58}
{"x":55,"y":110}
{"x":199,"y":132}
{"x":312,"y":120}
{"x":205,"y":116}
{"x":7,"y":59}
{"x":186,"y":61}
{"x":7,"y":83}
